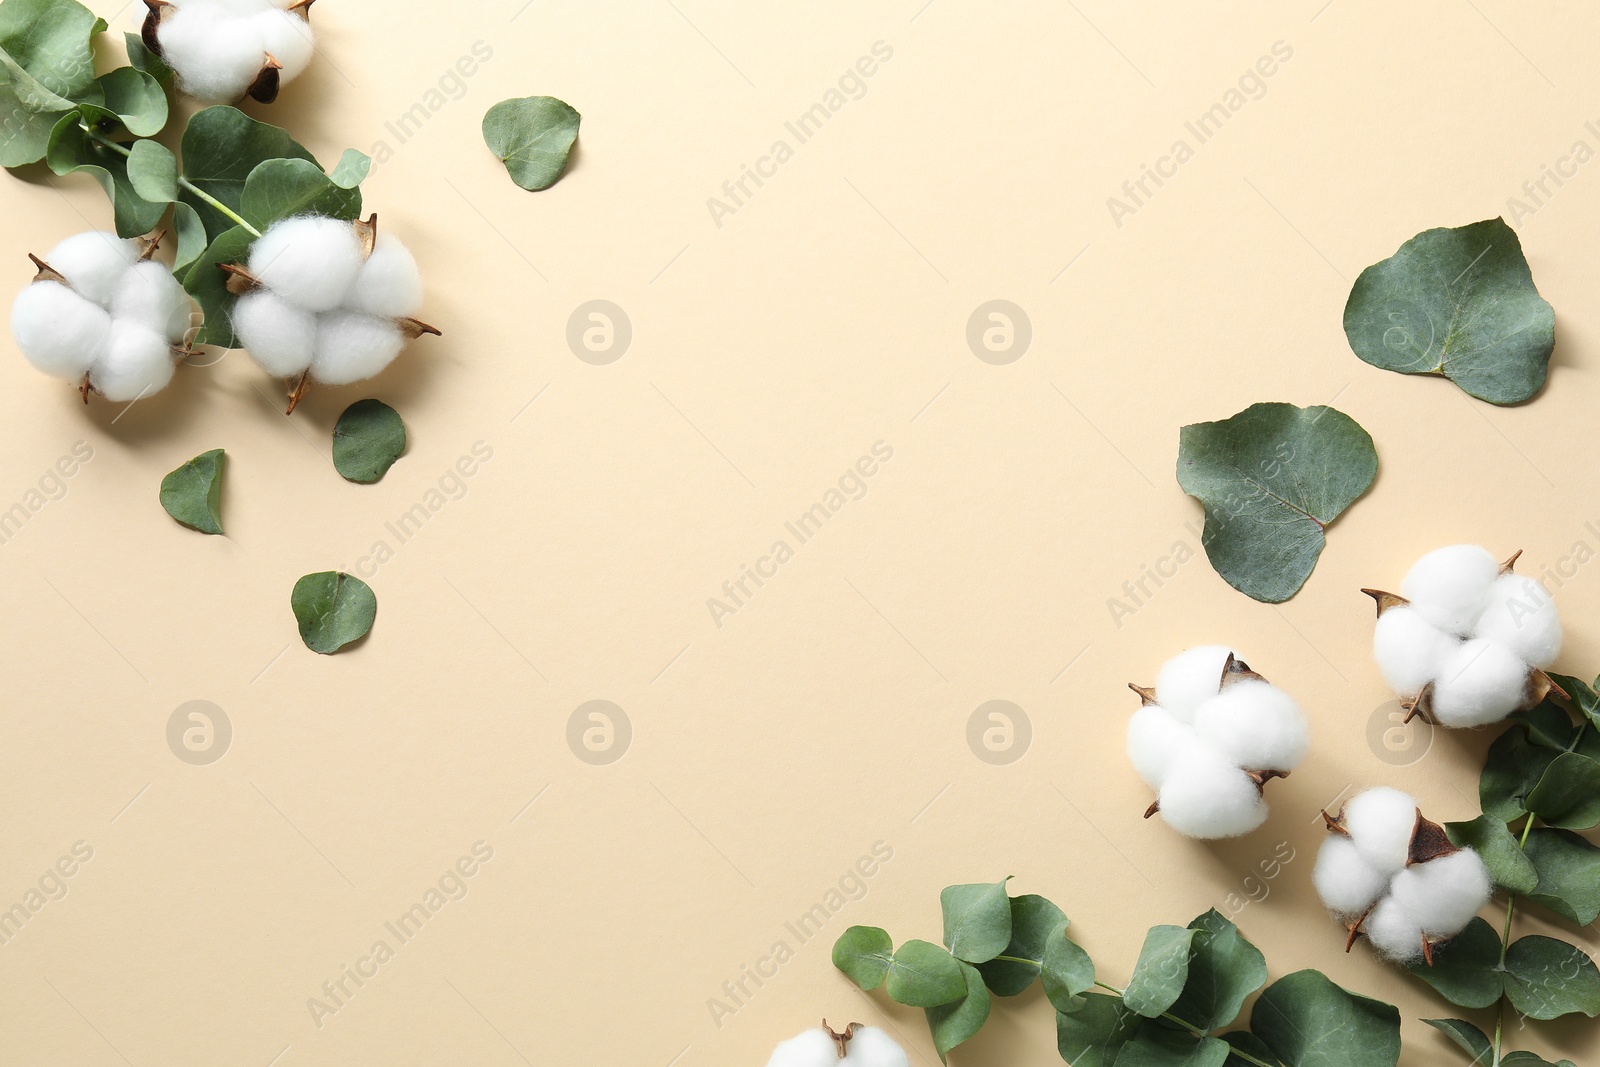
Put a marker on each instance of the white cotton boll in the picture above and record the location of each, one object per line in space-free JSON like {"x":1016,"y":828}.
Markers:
{"x":1190,"y":678}
{"x":1410,"y":650}
{"x":389,"y":284}
{"x":1394,"y":932}
{"x":1482,"y":682}
{"x":1449,"y":586}
{"x":149,"y":295}
{"x":288,"y":39}
{"x":279,"y":336}
{"x":1207,"y":797}
{"x":1444,"y":894}
{"x":93,"y":263}
{"x":871,"y":1047}
{"x":814,"y":1048}
{"x":310,"y":261}
{"x":137,"y":364}
{"x":1347,"y":884}
{"x":1258,"y":725}
{"x":1381,"y":822}
{"x":216,"y":53}
{"x":1156,"y":741}
{"x":352,"y":347}
{"x":1521,"y":616}
{"x":58,"y":331}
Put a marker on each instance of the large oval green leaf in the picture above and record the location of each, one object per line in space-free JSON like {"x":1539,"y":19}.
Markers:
{"x":221,"y":146}
{"x":1224,"y":969}
{"x":977,"y":920}
{"x":1307,"y":1021}
{"x":1568,"y":794}
{"x":333,"y":609}
{"x":1162,"y":971}
{"x":533,"y":137}
{"x":923,"y":975}
{"x":1567,"y":870}
{"x":1094,"y":1034}
{"x":1466,"y":971}
{"x":1546,"y":979}
{"x":278,"y":188}
{"x":864,"y":954}
{"x":953,"y":1023}
{"x":72,"y":151}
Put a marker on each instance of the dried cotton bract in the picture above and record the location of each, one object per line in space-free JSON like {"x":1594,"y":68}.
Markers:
{"x":1389,"y":874}
{"x":225,"y":50}
{"x":1467,"y":640}
{"x":326,"y":300}
{"x":1209,"y":737}
{"x":858,"y":1046}
{"x":103,"y":315}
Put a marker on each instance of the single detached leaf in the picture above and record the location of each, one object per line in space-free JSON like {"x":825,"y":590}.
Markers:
{"x":864,"y":954}
{"x":192,"y":494}
{"x":923,"y":975}
{"x":333,"y":610}
{"x":1546,"y":979}
{"x":951,"y":1024}
{"x":1460,"y":303}
{"x":209,"y":285}
{"x":1567,"y":873}
{"x":71,"y":151}
{"x":1512,"y":769}
{"x":221,"y":146}
{"x":1466,"y":970}
{"x":1272,"y":479}
{"x":1474,"y":1041}
{"x":533,"y":137}
{"x":1224,"y":969}
{"x":1068,"y":971}
{"x":1033,"y":920}
{"x":1095,"y":1034}
{"x":1488,"y":836}
{"x":367,"y":439}
{"x":1568,"y":795}
{"x":1162,"y":971}
{"x":278,"y":188}
{"x":1307,"y":1021}
{"x":977,"y":921}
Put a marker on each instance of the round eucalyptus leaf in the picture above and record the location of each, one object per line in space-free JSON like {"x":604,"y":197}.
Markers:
{"x":72,"y":151}
{"x":1307,"y":1021}
{"x":1513,"y":767}
{"x":1162,"y":971}
{"x":1224,"y":969}
{"x":221,"y":146}
{"x":864,"y":954}
{"x":1568,"y":794}
{"x":953,"y":1023}
{"x":977,"y":920}
{"x":136,"y":98}
{"x":191,"y":236}
{"x":1529,"y":1059}
{"x":1488,"y":837}
{"x":141,"y":58}
{"x":533,"y":137}
{"x":1567,"y":874}
{"x":1472,"y":1040}
{"x":1546,"y":979}
{"x":46,"y":51}
{"x":278,"y":188}
{"x":192,"y":494}
{"x":1466,"y":970}
{"x":333,"y":609}
{"x":1068,"y":971}
{"x":1153,"y":1045}
{"x":923,"y":975}
{"x":1033,"y":920}
{"x":367,"y":440}
{"x":153,"y":171}
{"x":1094,"y":1034}
{"x":351,"y":170}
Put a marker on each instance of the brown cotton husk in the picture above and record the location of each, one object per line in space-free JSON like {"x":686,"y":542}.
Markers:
{"x":1236,"y":670}
{"x":158,"y":10}
{"x":1429,"y":842}
{"x":842,"y":1041}
{"x":1386,"y":600}
{"x":264,"y":90}
{"x":415,"y":328}
{"x":367,"y":233}
{"x":240,"y":281}
{"x":47,"y":273}
{"x":1541,"y":685}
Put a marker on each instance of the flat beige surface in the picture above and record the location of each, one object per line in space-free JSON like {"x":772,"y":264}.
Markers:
{"x":824,"y":318}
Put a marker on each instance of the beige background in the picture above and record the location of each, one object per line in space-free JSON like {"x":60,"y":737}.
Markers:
{"x":769,"y":354}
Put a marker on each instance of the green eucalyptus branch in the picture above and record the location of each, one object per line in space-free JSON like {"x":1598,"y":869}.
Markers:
{"x":183,"y":182}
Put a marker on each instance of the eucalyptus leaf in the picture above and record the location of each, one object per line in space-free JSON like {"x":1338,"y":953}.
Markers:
{"x":278,"y":188}
{"x":1307,"y":1021}
{"x":1546,"y":979}
{"x":951,"y":1024}
{"x":72,"y":151}
{"x":1162,"y":971}
{"x":221,"y":146}
{"x":1068,"y":971}
{"x":1094,"y":1035}
{"x":24,"y":133}
{"x":333,"y":610}
{"x":1512,"y":769}
{"x":1159,"y":1046}
{"x":1457,"y":302}
{"x":1488,"y":836}
{"x":209,"y":285}
{"x":1548,"y":725}
{"x":192,"y":494}
{"x":141,"y":58}
{"x":46,"y":70}
{"x":1583,"y":697}
{"x":533,"y":137}
{"x":1472,"y":1040}
{"x":1466,"y":970}
{"x":923,"y":975}
{"x":864,"y":954}
{"x":1567,"y":874}
{"x":153,"y":171}
{"x":977,"y":921}
{"x":1244,"y":1041}
{"x":1272,"y":479}
{"x":1529,"y":1059}
{"x":351,"y":170}
{"x":1033,"y":920}
{"x":1568,"y":794}
{"x":1224,"y":969}
{"x":191,"y":237}
{"x":136,"y":99}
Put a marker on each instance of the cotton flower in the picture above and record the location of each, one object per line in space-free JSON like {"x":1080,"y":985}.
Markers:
{"x":224,"y":50}
{"x":858,"y":1046}
{"x":104,"y":315}
{"x":1467,"y":642}
{"x":326,"y":300}
{"x":1209,"y":737}
{"x":1389,"y":874}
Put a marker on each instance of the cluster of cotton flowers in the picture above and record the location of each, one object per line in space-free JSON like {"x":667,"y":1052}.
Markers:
{"x":1467,"y":641}
{"x":1208,"y":738}
{"x":326,"y":300}
{"x":858,"y":1046}
{"x":1388,"y":873}
{"x":104,"y":315}
{"x":224,"y":50}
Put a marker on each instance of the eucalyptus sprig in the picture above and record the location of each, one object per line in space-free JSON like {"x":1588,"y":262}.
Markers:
{"x":1188,"y":987}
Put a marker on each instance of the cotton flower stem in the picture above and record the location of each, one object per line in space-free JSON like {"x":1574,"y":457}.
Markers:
{"x":189,"y":186}
{"x":1193,"y":1029}
{"x":302,"y":387}
{"x":1505,"y":946}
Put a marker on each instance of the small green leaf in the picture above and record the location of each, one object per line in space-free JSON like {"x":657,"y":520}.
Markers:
{"x":71,"y":151}
{"x":1068,"y":971}
{"x":352,"y":169}
{"x":923,"y":975}
{"x":864,"y":954}
{"x":209,"y":285}
{"x":1307,"y":1021}
{"x":191,"y":237}
{"x":1162,"y":971}
{"x":1224,"y":969}
{"x":221,"y":146}
{"x":1511,"y":770}
{"x":278,"y":188}
{"x":1546,"y":979}
{"x":1472,"y":1040}
{"x":953,"y":1023}
{"x":533,"y":137}
{"x":977,"y":921}
{"x":1272,"y":479}
{"x":1488,"y":836}
{"x":192,"y":494}
{"x":153,"y":171}
{"x":1548,"y":725}
{"x":136,"y":99}
{"x":1583,"y":697}
{"x":1567,"y":872}
{"x":1094,"y":1035}
{"x":143,"y":59}
{"x":1033,"y":920}
{"x":1466,"y":970}
{"x":1460,"y":303}
{"x":1568,"y":795}
{"x":333,"y":610}
{"x":1529,"y":1059}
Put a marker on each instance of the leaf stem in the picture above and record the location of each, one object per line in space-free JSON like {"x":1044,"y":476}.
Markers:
{"x":198,"y":192}
{"x":1505,"y":946}
{"x":1238,"y":1053}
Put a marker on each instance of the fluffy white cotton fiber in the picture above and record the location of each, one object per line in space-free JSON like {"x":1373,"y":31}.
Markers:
{"x":1409,"y":650}
{"x":1207,"y":797}
{"x":1381,"y":823}
{"x":1481,"y":682}
{"x":1347,"y":884}
{"x":1393,"y":932}
{"x":308,"y":260}
{"x":352,"y":347}
{"x":149,"y":295}
{"x":58,"y":331}
{"x":1444,"y":894}
{"x":1157,"y":740}
{"x":279,"y":336}
{"x":1259,"y":726}
{"x":1520,"y":615}
{"x":137,"y":364}
{"x":218,"y":48}
{"x":389,"y":284}
{"x":1448,"y":586}
{"x":93,"y":263}
{"x":1190,"y":678}
{"x":868,"y":1046}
